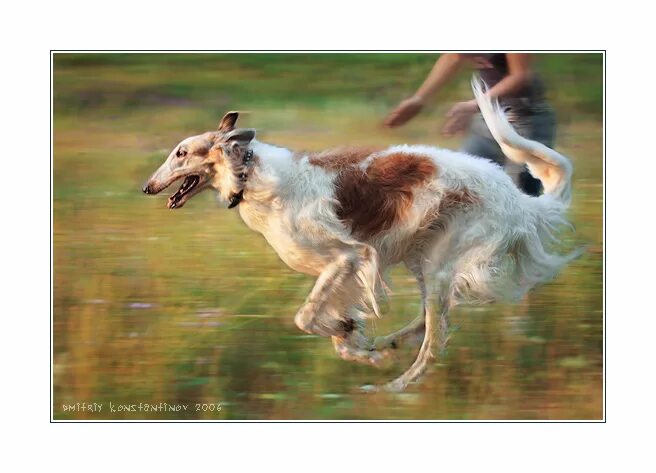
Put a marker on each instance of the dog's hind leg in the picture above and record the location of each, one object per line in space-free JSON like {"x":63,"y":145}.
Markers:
{"x":413,"y":333}
{"x":425,"y":355}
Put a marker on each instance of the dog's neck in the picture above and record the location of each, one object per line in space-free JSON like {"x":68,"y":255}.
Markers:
{"x":272,"y":170}
{"x":269,"y":179}
{"x":261,"y":167}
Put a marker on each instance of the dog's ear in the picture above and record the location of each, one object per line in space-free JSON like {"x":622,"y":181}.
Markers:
{"x":240,"y":136}
{"x":228,"y":122}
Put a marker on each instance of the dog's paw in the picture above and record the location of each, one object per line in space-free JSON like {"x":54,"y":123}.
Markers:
{"x":381,"y":359}
{"x":396,"y":386}
{"x":376,"y":358}
{"x":369,"y":388}
{"x":315,"y":319}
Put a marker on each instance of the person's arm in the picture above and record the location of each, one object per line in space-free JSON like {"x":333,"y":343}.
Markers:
{"x":519,"y":74}
{"x":445,"y":67}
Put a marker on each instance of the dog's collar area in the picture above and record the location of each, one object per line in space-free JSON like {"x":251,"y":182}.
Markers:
{"x":235,"y":199}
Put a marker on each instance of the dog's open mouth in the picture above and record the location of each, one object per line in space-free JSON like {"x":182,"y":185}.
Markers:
{"x":178,"y":199}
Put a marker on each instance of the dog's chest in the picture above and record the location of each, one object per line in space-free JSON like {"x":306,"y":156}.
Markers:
{"x":281,"y":233}
{"x":296,"y":255}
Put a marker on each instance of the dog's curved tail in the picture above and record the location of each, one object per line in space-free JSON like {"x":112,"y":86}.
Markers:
{"x":552,"y":168}
{"x":531,"y":252}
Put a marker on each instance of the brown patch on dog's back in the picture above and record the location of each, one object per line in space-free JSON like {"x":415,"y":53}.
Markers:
{"x":340,"y":158}
{"x":454,"y":200}
{"x":450,"y":203}
{"x":374,"y":200}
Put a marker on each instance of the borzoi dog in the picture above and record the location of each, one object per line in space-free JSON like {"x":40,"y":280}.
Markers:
{"x":457,"y":222}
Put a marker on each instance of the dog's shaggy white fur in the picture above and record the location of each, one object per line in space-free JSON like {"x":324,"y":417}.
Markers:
{"x":457,"y":222}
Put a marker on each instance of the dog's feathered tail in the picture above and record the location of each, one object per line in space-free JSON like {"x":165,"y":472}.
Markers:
{"x":552,"y":168}
{"x":528,"y":255}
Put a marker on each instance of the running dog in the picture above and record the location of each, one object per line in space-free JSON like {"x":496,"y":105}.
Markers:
{"x":458,"y":223}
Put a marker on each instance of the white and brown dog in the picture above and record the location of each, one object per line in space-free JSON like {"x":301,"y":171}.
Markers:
{"x":346,"y":215}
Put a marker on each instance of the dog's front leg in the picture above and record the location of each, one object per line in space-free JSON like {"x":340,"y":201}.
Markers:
{"x":331,"y":309}
{"x":321,"y":315}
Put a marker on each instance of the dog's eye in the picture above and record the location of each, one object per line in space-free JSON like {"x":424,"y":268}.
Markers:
{"x":181,"y":153}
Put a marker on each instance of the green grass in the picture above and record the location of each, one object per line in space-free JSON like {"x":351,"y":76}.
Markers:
{"x":84,"y":83}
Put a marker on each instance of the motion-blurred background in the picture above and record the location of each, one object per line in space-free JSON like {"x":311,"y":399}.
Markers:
{"x":189,"y":306}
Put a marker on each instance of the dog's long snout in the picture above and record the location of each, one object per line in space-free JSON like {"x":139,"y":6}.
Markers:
{"x":160,"y":180}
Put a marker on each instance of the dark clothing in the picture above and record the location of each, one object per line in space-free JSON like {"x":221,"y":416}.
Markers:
{"x":492,"y":68}
{"x":526,"y":110}
{"x":538,"y":125}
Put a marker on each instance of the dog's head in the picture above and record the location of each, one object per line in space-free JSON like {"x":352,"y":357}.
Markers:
{"x":213,"y":159}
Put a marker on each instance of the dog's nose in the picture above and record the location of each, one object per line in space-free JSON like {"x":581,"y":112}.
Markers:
{"x":146,"y":188}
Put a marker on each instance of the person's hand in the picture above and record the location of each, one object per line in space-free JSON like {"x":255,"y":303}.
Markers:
{"x":459,"y":117}
{"x":404,"y":112}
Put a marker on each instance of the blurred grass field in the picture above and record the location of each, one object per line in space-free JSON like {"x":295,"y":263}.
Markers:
{"x":190,"y":306}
